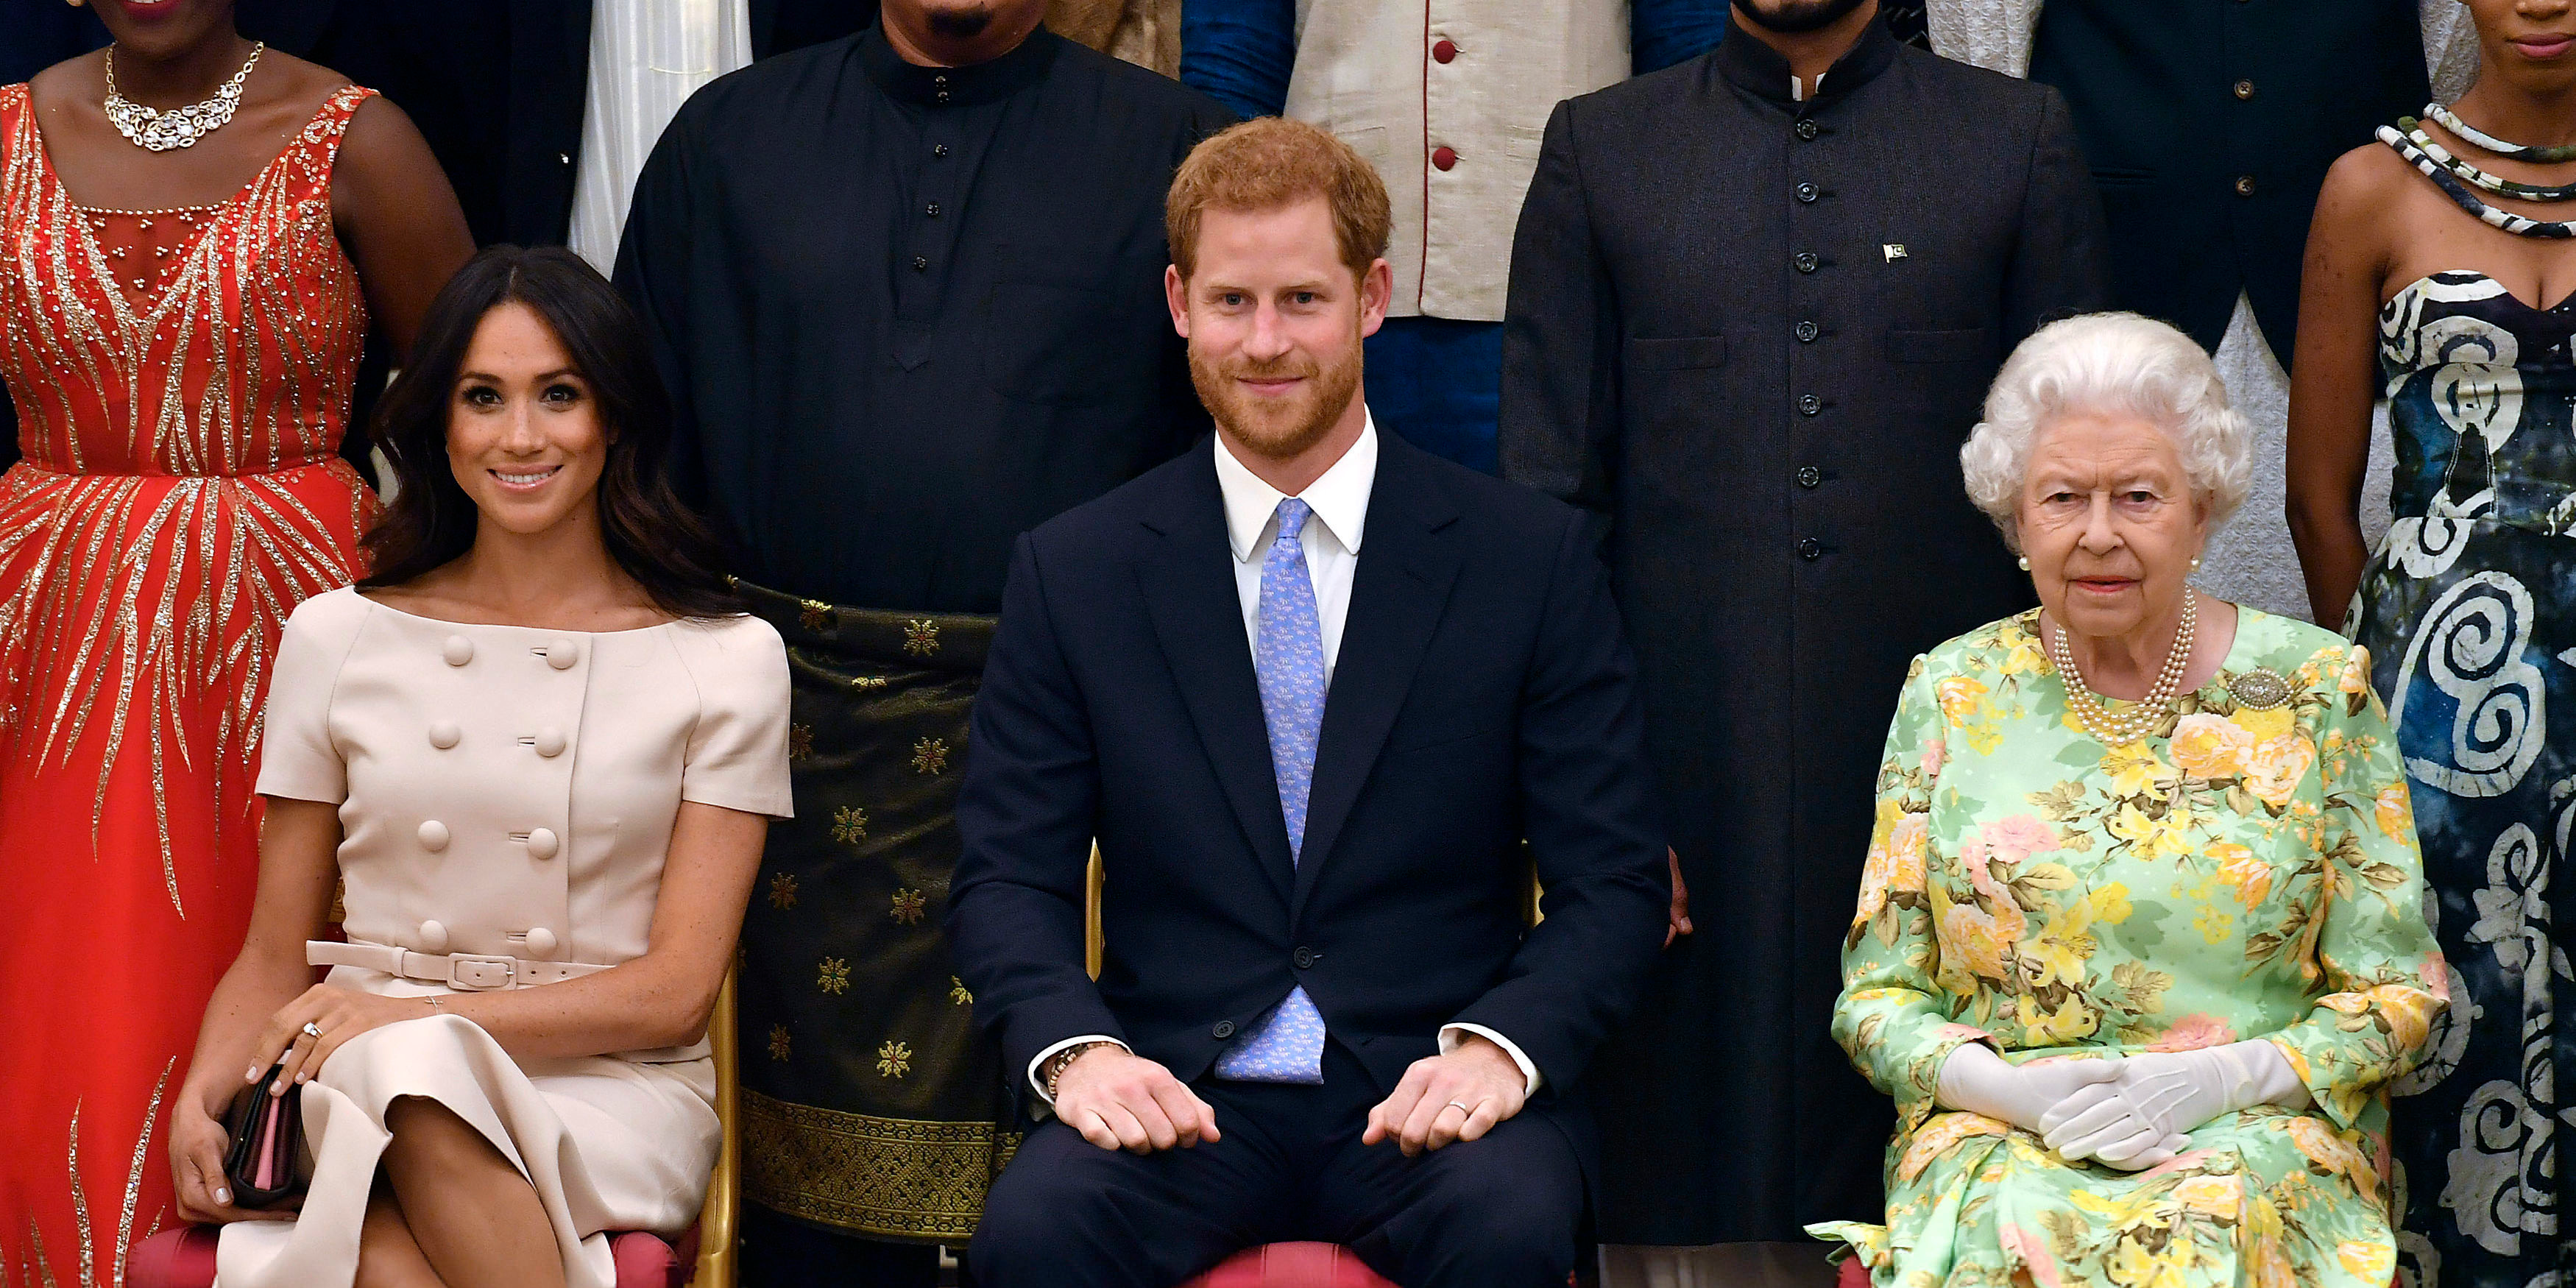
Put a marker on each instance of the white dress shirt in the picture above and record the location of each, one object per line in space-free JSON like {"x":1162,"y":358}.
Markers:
{"x":1339,"y":501}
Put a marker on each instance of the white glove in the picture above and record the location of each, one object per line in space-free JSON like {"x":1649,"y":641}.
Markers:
{"x":1976,"y":1079}
{"x":2144,"y":1116}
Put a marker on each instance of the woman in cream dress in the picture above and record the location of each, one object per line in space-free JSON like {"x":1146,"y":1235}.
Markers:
{"x":540,"y":755}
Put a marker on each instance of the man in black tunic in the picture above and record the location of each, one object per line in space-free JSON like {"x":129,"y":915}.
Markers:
{"x":906,"y":289}
{"x":1756,"y":300}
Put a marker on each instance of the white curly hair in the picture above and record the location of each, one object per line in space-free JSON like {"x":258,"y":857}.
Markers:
{"x":2107,"y":364}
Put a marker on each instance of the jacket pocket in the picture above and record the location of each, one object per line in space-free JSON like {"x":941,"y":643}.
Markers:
{"x":1940,"y":346}
{"x":1677,"y":354}
{"x":2122,"y":177}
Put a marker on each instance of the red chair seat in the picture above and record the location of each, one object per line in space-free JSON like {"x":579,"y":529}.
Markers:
{"x":1854,"y":1274}
{"x":185,"y":1258}
{"x":1291,"y":1265}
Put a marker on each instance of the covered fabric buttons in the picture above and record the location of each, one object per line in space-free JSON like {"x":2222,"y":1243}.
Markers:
{"x":458,"y":650}
{"x":433,"y":835}
{"x":550,"y":742}
{"x":542,"y":844}
{"x":541,"y":942}
{"x":433,"y":937}
{"x":563,"y":655}
{"x":444,"y":734}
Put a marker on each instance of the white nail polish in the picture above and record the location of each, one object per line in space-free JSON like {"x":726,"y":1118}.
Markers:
{"x":251,"y":1074}
{"x":224,"y":1197}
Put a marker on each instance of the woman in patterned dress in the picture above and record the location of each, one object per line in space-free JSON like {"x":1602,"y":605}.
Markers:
{"x":2135,"y":967}
{"x":2441,"y":276}
{"x":179,"y":330}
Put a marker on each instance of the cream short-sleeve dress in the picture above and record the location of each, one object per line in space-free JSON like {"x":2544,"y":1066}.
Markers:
{"x":506,"y":797}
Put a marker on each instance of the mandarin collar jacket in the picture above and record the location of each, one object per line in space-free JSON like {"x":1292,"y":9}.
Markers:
{"x":1749,"y":334}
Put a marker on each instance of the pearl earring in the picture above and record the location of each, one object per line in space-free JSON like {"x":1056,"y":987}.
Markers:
{"x":2025,"y":563}
{"x":2195,"y":563}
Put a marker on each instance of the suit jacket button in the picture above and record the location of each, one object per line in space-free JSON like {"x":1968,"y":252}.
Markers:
{"x":1809,"y":476}
{"x":1810,"y":405}
{"x":1804,"y":261}
{"x":1808,"y":331}
{"x":1224,"y":1029}
{"x":1810,"y":549}
{"x":1304,"y":957}
{"x":1807,"y":130}
{"x":1808,"y":192}
{"x":2245,"y":185}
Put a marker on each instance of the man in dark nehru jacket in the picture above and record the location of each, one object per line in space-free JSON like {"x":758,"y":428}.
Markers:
{"x":1755,"y":303}
{"x":906,"y":289}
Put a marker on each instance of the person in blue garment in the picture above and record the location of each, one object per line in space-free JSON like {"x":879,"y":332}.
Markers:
{"x":1449,"y":109}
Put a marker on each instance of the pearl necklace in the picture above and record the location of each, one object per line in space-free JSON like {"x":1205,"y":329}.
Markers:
{"x":2123,"y":728}
{"x":180,"y":127}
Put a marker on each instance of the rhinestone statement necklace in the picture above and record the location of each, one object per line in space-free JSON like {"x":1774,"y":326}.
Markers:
{"x":180,"y":127}
{"x":2122,"y":728}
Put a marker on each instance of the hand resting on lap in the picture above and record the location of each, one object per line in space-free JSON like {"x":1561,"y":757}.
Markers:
{"x":1459,"y":1095}
{"x":2165,"y":1095}
{"x":2030,"y":1095}
{"x":1122,"y":1101}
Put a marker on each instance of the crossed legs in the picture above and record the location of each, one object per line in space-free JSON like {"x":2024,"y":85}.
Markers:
{"x":450,"y":1211}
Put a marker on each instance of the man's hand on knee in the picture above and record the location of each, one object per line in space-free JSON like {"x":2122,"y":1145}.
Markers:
{"x":1458,"y":1096}
{"x":1122,"y":1101}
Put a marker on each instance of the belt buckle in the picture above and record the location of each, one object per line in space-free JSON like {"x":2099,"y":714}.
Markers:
{"x":477,"y":973}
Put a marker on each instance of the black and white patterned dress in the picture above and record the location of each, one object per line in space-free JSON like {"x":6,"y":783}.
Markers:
{"x":2469,"y":610}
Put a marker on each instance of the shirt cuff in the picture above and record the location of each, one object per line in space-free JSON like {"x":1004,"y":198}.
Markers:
{"x":1449,"y":1039}
{"x":1037,"y":1085}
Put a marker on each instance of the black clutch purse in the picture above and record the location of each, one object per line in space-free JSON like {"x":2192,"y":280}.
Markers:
{"x":267,"y":1143}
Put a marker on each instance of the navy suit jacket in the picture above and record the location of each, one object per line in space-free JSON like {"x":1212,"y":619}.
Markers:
{"x":1482,"y":695}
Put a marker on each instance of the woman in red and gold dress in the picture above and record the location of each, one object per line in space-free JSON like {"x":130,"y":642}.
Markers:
{"x":193,"y":232}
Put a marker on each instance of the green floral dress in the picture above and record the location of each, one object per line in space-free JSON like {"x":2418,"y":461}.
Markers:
{"x":2248,"y":872}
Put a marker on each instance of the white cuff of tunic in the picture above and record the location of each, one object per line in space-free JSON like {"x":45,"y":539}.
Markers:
{"x":1449,"y":1039}
{"x":1038,"y":1085}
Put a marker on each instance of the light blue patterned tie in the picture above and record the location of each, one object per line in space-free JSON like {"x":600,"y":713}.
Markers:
{"x":1288,"y":656}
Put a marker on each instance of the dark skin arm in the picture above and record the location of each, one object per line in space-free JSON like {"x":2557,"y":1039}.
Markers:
{"x":397,"y":218}
{"x":2334,"y":380}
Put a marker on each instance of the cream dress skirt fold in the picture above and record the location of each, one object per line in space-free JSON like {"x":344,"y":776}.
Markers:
{"x":610,"y":1144}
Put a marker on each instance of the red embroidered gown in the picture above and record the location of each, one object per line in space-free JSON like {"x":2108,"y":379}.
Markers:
{"x":182,"y":379}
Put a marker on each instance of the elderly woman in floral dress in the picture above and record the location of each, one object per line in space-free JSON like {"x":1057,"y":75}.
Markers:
{"x":2139,"y":940}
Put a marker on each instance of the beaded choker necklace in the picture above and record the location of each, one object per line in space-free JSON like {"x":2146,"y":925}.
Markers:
{"x":2475,"y":177}
{"x":2496,"y":216}
{"x":2119,"y":729}
{"x":2477,"y":138}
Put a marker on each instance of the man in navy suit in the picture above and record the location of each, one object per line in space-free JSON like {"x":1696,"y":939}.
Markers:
{"x":1310,"y":688}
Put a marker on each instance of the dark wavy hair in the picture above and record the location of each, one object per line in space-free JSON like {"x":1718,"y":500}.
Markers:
{"x":656,"y":539}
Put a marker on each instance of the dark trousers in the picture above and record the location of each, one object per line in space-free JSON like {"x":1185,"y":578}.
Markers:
{"x":1490,"y":1213}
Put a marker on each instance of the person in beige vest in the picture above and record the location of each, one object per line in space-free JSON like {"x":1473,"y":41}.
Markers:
{"x":1447,"y":99}
{"x":540,"y":749}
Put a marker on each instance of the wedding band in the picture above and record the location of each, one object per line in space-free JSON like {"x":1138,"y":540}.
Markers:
{"x":312,"y":1030}
{"x":1462,"y":1108}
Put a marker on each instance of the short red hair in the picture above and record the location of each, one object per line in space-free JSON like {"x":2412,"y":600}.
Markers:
{"x":1269,"y":162}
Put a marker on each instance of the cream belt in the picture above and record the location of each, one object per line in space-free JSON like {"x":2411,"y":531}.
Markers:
{"x":471,"y":972}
